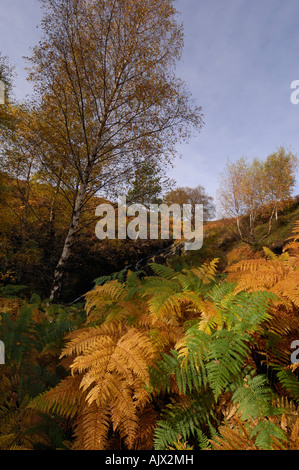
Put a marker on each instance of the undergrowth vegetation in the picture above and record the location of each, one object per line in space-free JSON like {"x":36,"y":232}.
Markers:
{"x":188,"y":359}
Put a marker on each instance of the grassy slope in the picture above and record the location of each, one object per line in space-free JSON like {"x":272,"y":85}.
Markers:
{"x":220,"y":241}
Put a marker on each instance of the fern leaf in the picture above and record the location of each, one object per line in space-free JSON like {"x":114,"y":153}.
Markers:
{"x":180,"y":421}
{"x":269,"y":253}
{"x":162,"y":271}
{"x":92,"y":428}
{"x":264,"y":433}
{"x":254,"y":398}
{"x":64,"y":399}
{"x":237,"y":438}
{"x":289,"y":381}
{"x":207,"y":272}
{"x":227,"y":351}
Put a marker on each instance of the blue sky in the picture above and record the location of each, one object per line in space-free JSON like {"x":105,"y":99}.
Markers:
{"x":239,"y":60}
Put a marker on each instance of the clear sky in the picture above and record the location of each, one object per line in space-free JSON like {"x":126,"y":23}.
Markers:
{"x":239,"y":60}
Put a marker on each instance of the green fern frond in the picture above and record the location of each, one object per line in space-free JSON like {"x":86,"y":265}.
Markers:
{"x":162,"y":270}
{"x":221,"y":294}
{"x":289,"y":380}
{"x":181,"y":421}
{"x":254,"y":398}
{"x":266,"y":434}
{"x":269,"y":253}
{"x":227,"y":352}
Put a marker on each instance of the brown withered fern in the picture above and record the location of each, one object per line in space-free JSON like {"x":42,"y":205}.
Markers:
{"x":106,"y":392}
{"x":278,"y":274}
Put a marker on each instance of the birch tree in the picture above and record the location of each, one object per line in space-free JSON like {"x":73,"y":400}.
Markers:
{"x":232,"y":191}
{"x":6,"y":82}
{"x":107,"y":96}
{"x":280,"y":168}
{"x":257,"y":189}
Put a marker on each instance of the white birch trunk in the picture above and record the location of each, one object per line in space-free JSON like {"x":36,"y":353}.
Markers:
{"x":68,"y":243}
